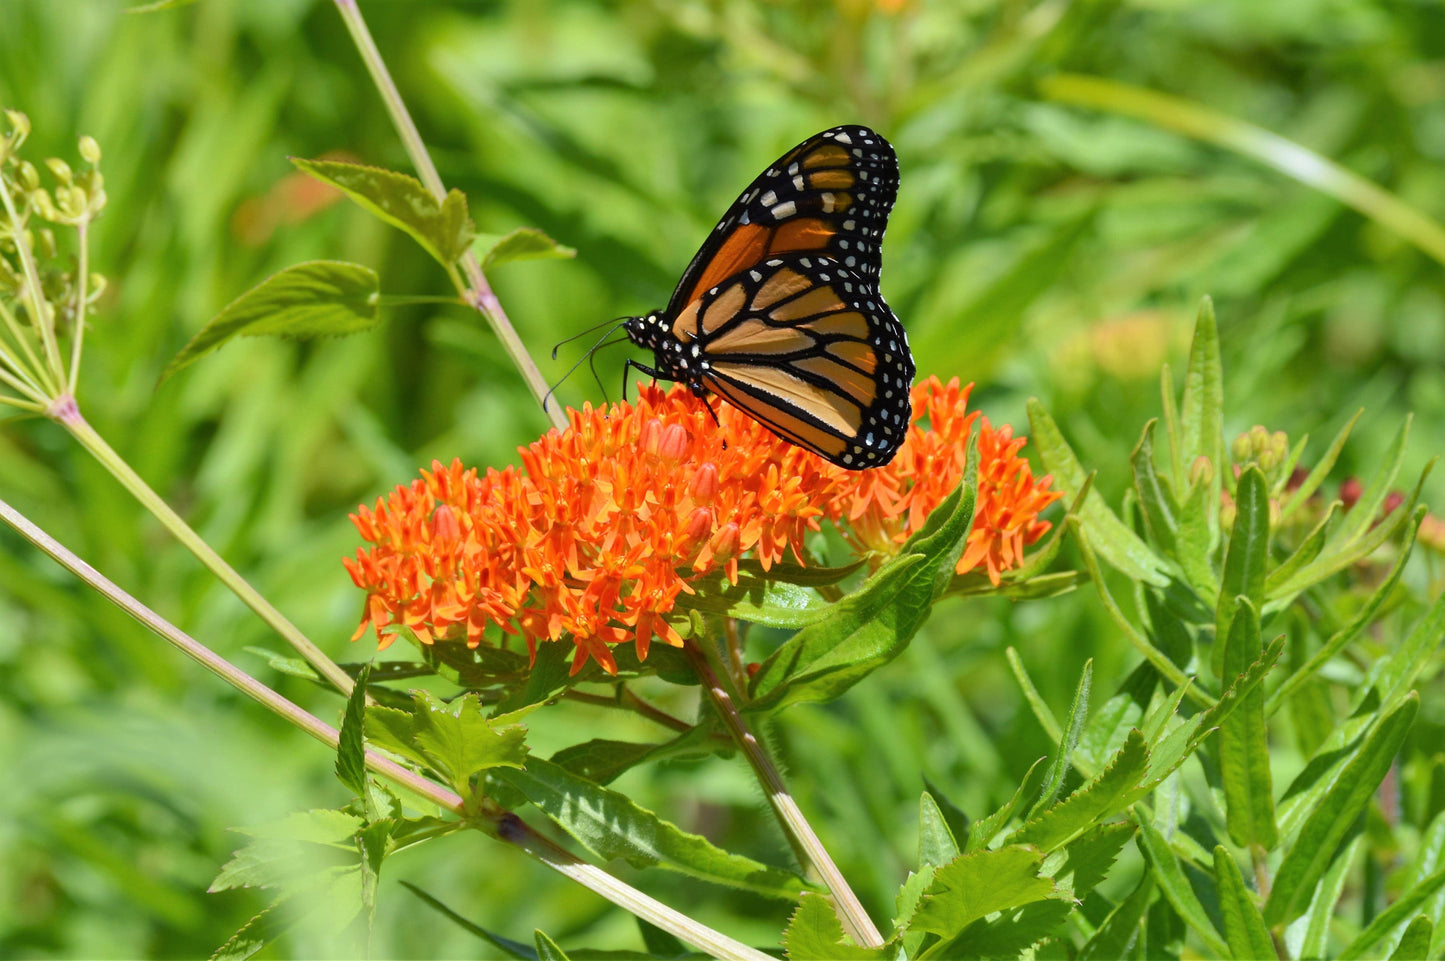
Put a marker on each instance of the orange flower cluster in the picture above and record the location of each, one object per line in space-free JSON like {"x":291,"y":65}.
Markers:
{"x":606,"y":523}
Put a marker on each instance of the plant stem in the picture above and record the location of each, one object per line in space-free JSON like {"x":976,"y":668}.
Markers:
{"x":68,"y":415}
{"x":811,"y":851}
{"x":480,"y":295}
{"x":82,"y":277}
{"x":503,"y":826}
{"x":39,"y":315}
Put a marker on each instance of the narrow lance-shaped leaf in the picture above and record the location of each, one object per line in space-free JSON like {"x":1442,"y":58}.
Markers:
{"x":351,"y":748}
{"x":1078,"y":713}
{"x":1365,"y":512}
{"x":1313,"y":927}
{"x":936,"y":843}
{"x":1246,"y":559}
{"x":315,"y":299}
{"x":1176,"y":887}
{"x":1202,"y":410}
{"x":1120,"y":932}
{"x":983,"y":831}
{"x":612,"y":825}
{"x":1110,"y":536}
{"x":1243,"y":927}
{"x":1392,"y":917}
{"x":1320,"y":837}
{"x":1100,"y":798}
{"x":1415,"y":942}
{"x":443,"y":229}
{"x":1243,"y":748}
{"x":1320,"y":471}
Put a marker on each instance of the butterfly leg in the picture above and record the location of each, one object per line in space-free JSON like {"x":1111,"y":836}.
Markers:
{"x":630,"y":364}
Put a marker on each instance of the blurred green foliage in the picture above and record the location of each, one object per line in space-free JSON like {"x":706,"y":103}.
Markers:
{"x":1037,"y":248}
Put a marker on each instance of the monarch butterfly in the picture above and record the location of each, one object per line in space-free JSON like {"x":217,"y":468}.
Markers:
{"x":780,"y":314}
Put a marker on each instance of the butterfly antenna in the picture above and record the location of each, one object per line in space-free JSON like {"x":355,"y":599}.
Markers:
{"x":615,"y":322}
{"x":592,"y":362}
{"x":583,"y":333}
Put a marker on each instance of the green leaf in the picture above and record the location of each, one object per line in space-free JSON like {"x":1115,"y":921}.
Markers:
{"x":456,"y":740}
{"x":815,"y":932}
{"x":1392,"y":917}
{"x":758,"y":600}
{"x":1315,"y":923}
{"x":315,"y":299}
{"x":1181,"y":742}
{"x":1243,"y":746}
{"x":1243,"y":926}
{"x":872,"y":626}
{"x":1156,"y":499}
{"x":1202,"y":409}
{"x":1321,"y":470}
{"x":1120,"y":546}
{"x":1098,"y":799}
{"x":1031,"y":694}
{"x":1005,"y":936}
{"x":351,"y":749}
{"x":159,"y":5}
{"x":984,"y":830}
{"x":1415,"y":942}
{"x":1080,"y":865}
{"x":508,"y":947}
{"x":1178,"y":470}
{"x":1246,"y":559}
{"x":1176,"y":887}
{"x":547,"y":949}
{"x":443,"y":229}
{"x":936,"y":843}
{"x":524,"y":243}
{"x":1118,"y":936}
{"x":1110,"y":726}
{"x":601,"y":760}
{"x":1366,"y":511}
{"x":611,"y":825}
{"x":975,"y":885}
{"x":1078,"y":713}
{"x":1319,"y":839}
{"x":1304,"y":555}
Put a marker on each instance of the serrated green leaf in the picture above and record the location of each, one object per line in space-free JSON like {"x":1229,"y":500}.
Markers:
{"x":1330,"y":821}
{"x":975,"y":885}
{"x":1098,"y":799}
{"x":1320,"y":471}
{"x":1078,"y":713}
{"x":321,"y":298}
{"x":936,"y":843}
{"x":814,"y":932}
{"x":443,"y":229}
{"x":456,"y":740}
{"x":524,"y":243}
{"x":612,"y":825}
{"x":1081,"y":864}
{"x":351,"y":747}
{"x":1415,"y":942}
{"x":1392,"y":917}
{"x":1109,"y":535}
{"x":873,"y":625}
{"x":1118,"y":936}
{"x":547,"y":949}
{"x":1177,"y":890}
{"x":1246,"y":559}
{"x":909,"y":897}
{"x":508,"y":947}
{"x":1243,"y":747}
{"x":1308,"y":936}
{"x":1009,"y":935}
{"x":984,"y":830}
{"x":1243,"y":926}
{"x":1110,"y":726}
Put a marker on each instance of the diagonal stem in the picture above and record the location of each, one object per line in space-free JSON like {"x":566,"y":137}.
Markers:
{"x":811,"y":851}
{"x":480,"y":295}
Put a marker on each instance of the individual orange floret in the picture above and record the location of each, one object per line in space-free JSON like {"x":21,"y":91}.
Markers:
{"x":605,"y":524}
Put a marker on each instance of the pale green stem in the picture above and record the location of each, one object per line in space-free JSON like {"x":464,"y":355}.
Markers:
{"x":32,"y":282}
{"x":40,"y":314}
{"x":503,"y":826}
{"x":68,"y":415}
{"x":1286,"y":156}
{"x":82,"y":279}
{"x":480,"y":295}
{"x":811,"y":851}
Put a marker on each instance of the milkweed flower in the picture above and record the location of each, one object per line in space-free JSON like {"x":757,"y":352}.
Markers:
{"x":604,"y":525}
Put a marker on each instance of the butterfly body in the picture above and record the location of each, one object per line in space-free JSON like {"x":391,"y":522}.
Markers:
{"x":780,"y":313}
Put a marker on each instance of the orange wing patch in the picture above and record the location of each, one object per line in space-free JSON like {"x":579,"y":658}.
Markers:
{"x":747,"y":245}
{"x":754,"y":336}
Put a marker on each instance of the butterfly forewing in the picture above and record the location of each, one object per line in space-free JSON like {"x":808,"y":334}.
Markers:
{"x":780,"y":311}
